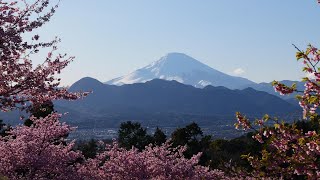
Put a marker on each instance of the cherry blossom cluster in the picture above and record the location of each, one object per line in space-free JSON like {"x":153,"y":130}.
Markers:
{"x":39,"y":151}
{"x":242,"y":122}
{"x":282,"y":89}
{"x":310,"y":99}
{"x":23,"y":84}
{"x":155,"y":162}
{"x":289,"y":152}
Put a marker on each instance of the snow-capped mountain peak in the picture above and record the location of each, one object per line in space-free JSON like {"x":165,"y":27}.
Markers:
{"x":184,"y":69}
{"x":175,"y":63}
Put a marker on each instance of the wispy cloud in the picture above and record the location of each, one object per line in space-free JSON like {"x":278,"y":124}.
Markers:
{"x":239,"y":71}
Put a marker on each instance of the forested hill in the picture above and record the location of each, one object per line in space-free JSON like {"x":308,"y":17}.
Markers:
{"x":171,"y":97}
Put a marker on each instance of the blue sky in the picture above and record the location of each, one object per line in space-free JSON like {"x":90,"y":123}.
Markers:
{"x":113,"y":38}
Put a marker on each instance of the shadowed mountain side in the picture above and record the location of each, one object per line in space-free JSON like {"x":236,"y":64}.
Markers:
{"x":161,"y":97}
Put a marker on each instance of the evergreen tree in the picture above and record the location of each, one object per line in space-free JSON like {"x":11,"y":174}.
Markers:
{"x":88,"y":149}
{"x":159,"y":137}
{"x":132,"y":134}
{"x":193,"y":137}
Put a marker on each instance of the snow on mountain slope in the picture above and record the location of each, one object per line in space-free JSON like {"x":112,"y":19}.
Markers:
{"x":184,"y":69}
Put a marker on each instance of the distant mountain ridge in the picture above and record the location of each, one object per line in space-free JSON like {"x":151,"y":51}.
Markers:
{"x":184,"y":69}
{"x":159,"y":91}
{"x":159,"y":99}
{"x":267,"y":87}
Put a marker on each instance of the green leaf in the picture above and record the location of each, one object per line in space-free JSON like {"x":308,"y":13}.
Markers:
{"x":299,"y":55}
{"x":245,"y":156}
{"x":274,"y":83}
{"x":313,"y":99}
{"x":305,"y":69}
{"x":308,"y":51}
{"x":299,"y":97}
{"x":301,"y":141}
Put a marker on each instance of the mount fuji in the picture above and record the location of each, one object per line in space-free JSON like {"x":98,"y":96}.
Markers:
{"x":184,"y":69}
